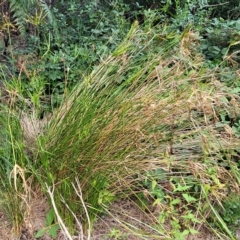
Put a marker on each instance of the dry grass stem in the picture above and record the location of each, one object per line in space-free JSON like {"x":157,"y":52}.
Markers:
{"x":60,"y":221}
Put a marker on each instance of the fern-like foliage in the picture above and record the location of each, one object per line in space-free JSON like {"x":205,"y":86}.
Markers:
{"x":22,"y":10}
{"x":50,"y":16}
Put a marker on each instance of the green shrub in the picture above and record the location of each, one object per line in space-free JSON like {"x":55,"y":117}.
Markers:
{"x":221,"y":39}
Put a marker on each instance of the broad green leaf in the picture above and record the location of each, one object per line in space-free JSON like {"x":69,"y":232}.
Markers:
{"x":193,"y":231}
{"x":191,"y":217}
{"x":105,"y":197}
{"x":188,"y":198}
{"x":235,"y":90}
{"x":53,"y":230}
{"x":175,"y":201}
{"x":50,"y":217}
{"x":40,"y":233}
{"x":185,"y":232}
{"x":181,"y":188}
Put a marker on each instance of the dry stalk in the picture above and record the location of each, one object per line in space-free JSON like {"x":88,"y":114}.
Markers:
{"x":16,"y":173}
{"x":79,"y":193}
{"x":81,"y":236}
{"x":60,"y":221}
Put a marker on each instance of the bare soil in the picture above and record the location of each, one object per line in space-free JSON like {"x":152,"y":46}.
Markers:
{"x":123,"y":222}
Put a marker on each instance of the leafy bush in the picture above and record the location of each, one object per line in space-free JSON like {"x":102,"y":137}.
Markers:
{"x":226,"y":10}
{"x":221,"y":39}
{"x":89,"y":32}
{"x":229,"y":212}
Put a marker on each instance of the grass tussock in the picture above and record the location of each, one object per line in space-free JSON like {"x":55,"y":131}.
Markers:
{"x":146,"y":127}
{"x":148,"y":108}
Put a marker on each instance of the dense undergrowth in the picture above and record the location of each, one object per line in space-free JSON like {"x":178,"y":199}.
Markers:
{"x":152,"y":119}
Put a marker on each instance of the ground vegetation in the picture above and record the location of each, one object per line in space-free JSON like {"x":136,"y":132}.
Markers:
{"x":120,"y":119}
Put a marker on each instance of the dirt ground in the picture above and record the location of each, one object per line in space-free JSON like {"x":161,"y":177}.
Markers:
{"x":121,"y":222}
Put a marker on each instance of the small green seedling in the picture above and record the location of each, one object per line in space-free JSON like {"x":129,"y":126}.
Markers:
{"x":51,"y":227}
